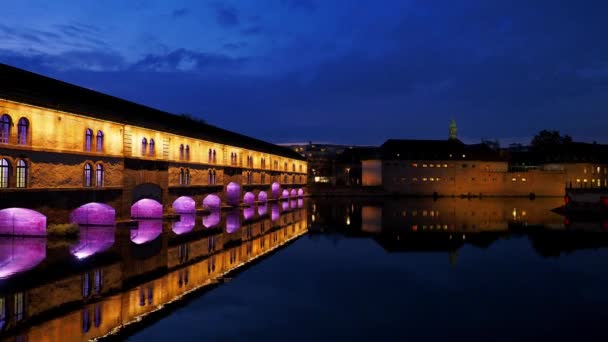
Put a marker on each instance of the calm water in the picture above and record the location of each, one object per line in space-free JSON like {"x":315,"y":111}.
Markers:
{"x":490,"y":269}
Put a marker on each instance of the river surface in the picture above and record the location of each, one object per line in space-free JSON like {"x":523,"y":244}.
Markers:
{"x":349,"y":269}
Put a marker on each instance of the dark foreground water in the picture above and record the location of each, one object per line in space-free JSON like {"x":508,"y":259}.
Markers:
{"x":457,"y":269}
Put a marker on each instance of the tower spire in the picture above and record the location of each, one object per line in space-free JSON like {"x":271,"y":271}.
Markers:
{"x":453,"y":130}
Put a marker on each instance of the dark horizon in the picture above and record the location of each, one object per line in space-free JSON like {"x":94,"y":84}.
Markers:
{"x":303,"y":70}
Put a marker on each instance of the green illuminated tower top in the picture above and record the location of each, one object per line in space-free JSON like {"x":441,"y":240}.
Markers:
{"x":453,"y":130}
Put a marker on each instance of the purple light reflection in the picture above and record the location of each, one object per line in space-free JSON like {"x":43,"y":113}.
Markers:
{"x":233,"y":221}
{"x":293,"y":204}
{"x":98,"y":214}
{"x":184,"y":225}
{"x":262,"y":209}
{"x":147,"y":231}
{"x":233,"y":194}
{"x":300,"y":203}
{"x":275,"y":190}
{"x":18,"y":254}
{"x":212,"y":220}
{"x":248,"y":213}
{"x":285,"y":205}
{"x":285,"y":194}
{"x":262,"y":197}
{"x":147,"y":209}
{"x":212,"y":202}
{"x":300,"y":192}
{"x":274,"y":212}
{"x":249,"y":198}
{"x":20,"y":221}
{"x":93,"y":240}
{"x":184,"y":205}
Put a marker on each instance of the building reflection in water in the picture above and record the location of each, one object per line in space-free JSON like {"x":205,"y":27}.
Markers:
{"x":274,"y":212}
{"x":93,"y":240}
{"x":262,"y":210}
{"x":248,"y":213}
{"x":212,"y":219}
{"x":129,"y":278}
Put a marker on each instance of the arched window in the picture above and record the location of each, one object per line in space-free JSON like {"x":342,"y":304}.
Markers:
{"x":213,"y":179}
{"x":152,"y":152}
{"x":263,"y":178}
{"x":181,"y":176}
{"x":5,"y":128}
{"x":293,"y":167}
{"x":21,"y":174}
{"x":293,"y":179}
{"x":19,"y":301}
{"x":214,"y":159}
{"x":210,"y":177}
{"x":144,"y":146}
{"x":86,"y":285}
{"x":187,"y":176}
{"x":23,"y":127}
{"x":97,"y":281}
{"x":99,"y":145}
{"x":181,"y":152}
{"x":88,"y":140}
{"x":300,"y":168}
{"x":88,"y":175}
{"x":285,"y":166}
{"x":187,"y":152}
{"x":210,"y":159}
{"x":3,"y":315}
{"x":99,"y":175}
{"x":4,"y":173}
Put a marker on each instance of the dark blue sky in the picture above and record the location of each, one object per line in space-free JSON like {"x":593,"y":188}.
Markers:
{"x":340,"y":71}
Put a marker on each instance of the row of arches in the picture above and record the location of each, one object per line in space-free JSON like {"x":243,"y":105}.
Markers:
{"x":88,"y":140}
{"x":20,"y":170}
{"x":23,"y":129}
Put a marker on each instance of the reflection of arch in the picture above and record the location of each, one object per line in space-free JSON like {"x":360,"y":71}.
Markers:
{"x":300,"y":203}
{"x":233,"y":193}
{"x":285,"y":194}
{"x":147,"y":190}
{"x":18,"y":254}
{"x":147,"y":208}
{"x":212,"y":220}
{"x":274,"y":212}
{"x":300,"y":192}
{"x":293,"y":204}
{"x":262,"y":209}
{"x":248,"y":213}
{"x":293,"y":193}
{"x":20,"y":221}
{"x":233,"y":221}
{"x":147,"y":230}
{"x":249,"y":198}
{"x":275,"y":190}
{"x":93,"y":240}
{"x":285,"y":205}
{"x":184,"y":225}
{"x":262,"y":197}
{"x":212,"y":202}
{"x":184,"y":205}
{"x":98,"y":214}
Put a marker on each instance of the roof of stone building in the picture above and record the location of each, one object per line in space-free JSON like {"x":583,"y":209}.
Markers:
{"x":409,"y":149}
{"x":30,"y":88}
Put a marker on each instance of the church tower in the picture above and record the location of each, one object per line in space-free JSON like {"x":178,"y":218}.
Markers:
{"x":453,"y":130}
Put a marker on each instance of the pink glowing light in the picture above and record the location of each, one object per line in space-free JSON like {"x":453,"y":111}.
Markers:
{"x":285,"y":194}
{"x":233,"y":221}
{"x":93,"y":240}
{"x":248,"y":213}
{"x":249,"y":198}
{"x":212,"y":202}
{"x":274,"y":212}
{"x":262,"y":210}
{"x":184,"y":205}
{"x":293,"y":193}
{"x":98,"y":214}
{"x":300,"y":192}
{"x":285,"y":205}
{"x":262,"y":197}
{"x":147,"y":209}
{"x":146,"y":231}
{"x":212,"y":220}
{"x":293,"y":204}
{"x":20,"y":221}
{"x":300,"y":203}
{"x":233,"y":194}
{"x":275,"y":190}
{"x":184,"y":225}
{"x":19,"y":254}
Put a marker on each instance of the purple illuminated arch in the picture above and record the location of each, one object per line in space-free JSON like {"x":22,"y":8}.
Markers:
{"x":184,"y":205}
{"x":97,"y":214}
{"x":262,"y":209}
{"x":293,"y":193}
{"x":285,"y":205}
{"x":249,"y":198}
{"x":262,"y":197}
{"x":146,"y":231}
{"x":300,"y":192}
{"x":285,"y":194}
{"x":20,"y":221}
{"x":93,"y":240}
{"x":233,"y":193}
{"x":248,"y":213}
{"x":184,"y":225}
{"x":274,"y":212}
{"x":212,"y":202}
{"x":212,"y":220}
{"x":147,"y":208}
{"x":300,"y":203}
{"x":275,"y":190}
{"x":293,"y":204}
{"x":233,"y":221}
{"x":18,"y":254}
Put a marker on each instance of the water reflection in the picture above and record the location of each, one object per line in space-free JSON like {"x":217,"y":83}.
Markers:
{"x":233,"y":221}
{"x":93,"y":240}
{"x":185,"y":224}
{"x":19,"y":254}
{"x":274,"y":211}
{"x":212,"y":219}
{"x":262,"y":209}
{"x":146,"y":231}
{"x":248,"y":213}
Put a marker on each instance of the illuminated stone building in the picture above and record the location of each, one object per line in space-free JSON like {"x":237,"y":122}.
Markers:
{"x":62,"y":146}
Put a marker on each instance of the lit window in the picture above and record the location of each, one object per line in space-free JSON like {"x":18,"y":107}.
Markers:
{"x":181,"y":152}
{"x":437,"y":179}
{"x":424,"y":165}
{"x":415,"y":179}
{"x":445,"y":165}
{"x":99,"y":145}
{"x":97,"y":281}
{"x":86,"y":285}
{"x":22,"y":174}
{"x":424,"y":179}
{"x":22,"y":130}
{"x":3,"y":315}
{"x":414,"y":165}
{"x":144,"y":146}
{"x":88,"y":175}
{"x":187,"y":152}
{"x":152,"y":151}
{"x":19,"y":311}
{"x":432,"y":165}
{"x":88,"y":139}
{"x":432,"y":179}
{"x":99,"y":175}
{"x":514,"y":179}
{"x":523,"y":179}
{"x":5,"y":128}
{"x":578,"y":180}
{"x":584,"y":180}
{"x":4,"y":170}
{"x":464,"y":156}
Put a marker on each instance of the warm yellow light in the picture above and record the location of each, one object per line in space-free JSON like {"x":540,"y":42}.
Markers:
{"x":514,"y":179}
{"x":523,"y":179}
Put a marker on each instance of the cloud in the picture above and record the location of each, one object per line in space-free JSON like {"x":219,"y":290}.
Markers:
{"x":188,"y":60}
{"x":235,"y":46}
{"x":253,"y":30}
{"x":226,"y":16}
{"x":180,"y":12}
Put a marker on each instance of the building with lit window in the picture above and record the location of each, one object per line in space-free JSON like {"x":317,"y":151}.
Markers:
{"x":63,"y":146}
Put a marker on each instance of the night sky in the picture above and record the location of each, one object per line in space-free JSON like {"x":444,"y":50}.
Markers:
{"x":342,"y":71}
